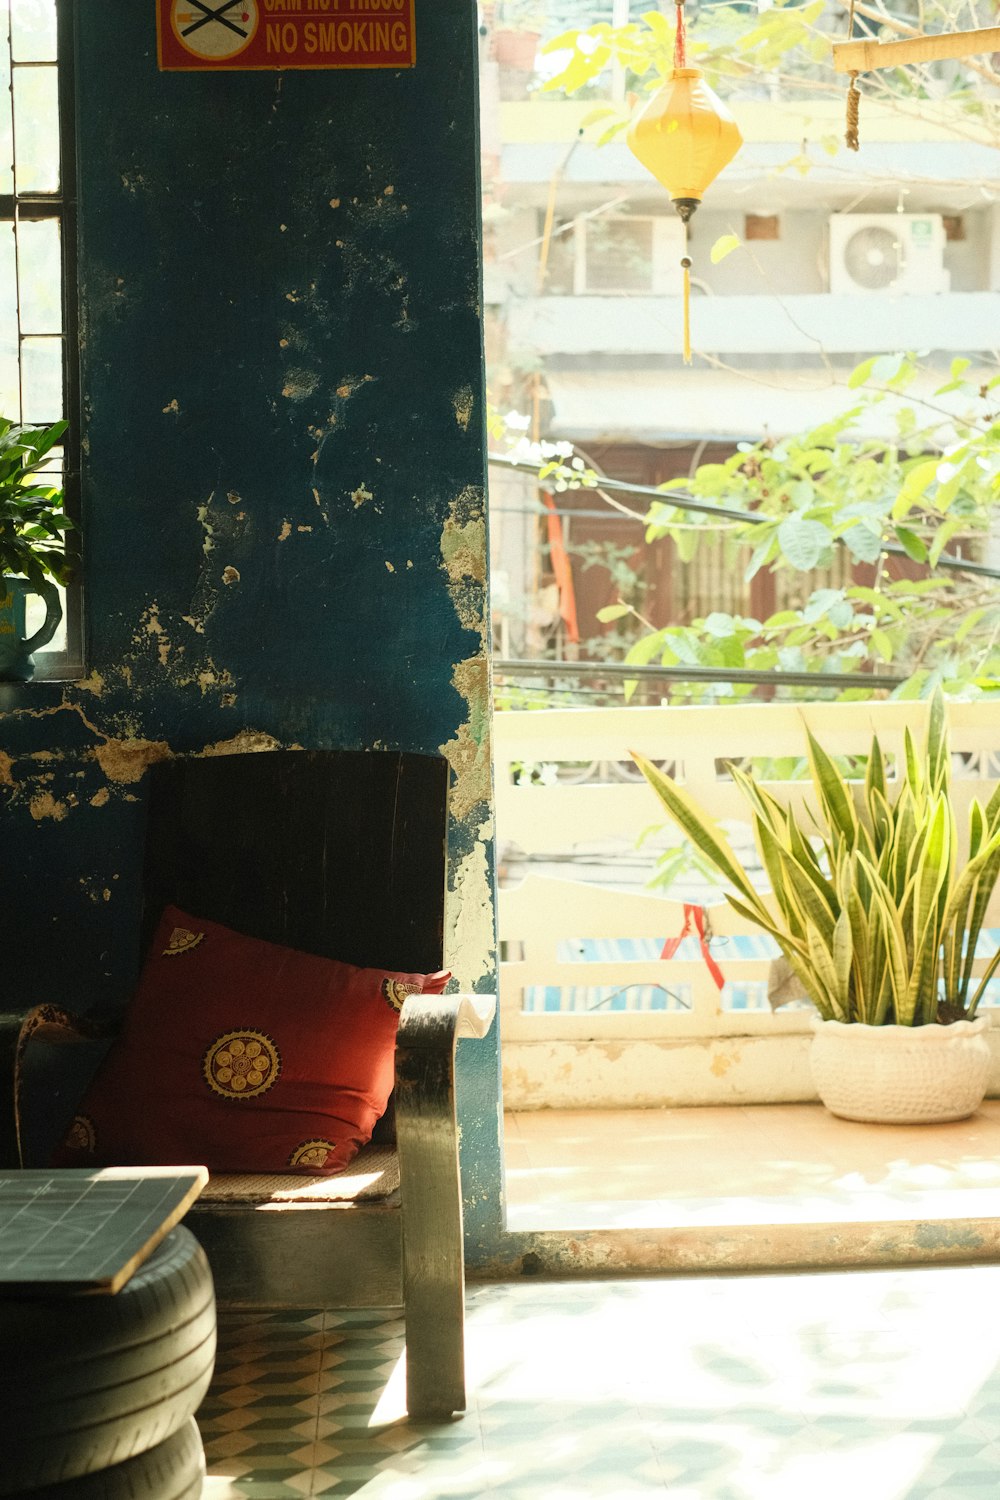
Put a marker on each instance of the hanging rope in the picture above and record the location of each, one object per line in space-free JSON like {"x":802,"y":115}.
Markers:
{"x":686,"y":268}
{"x":680,"y":61}
{"x":851,"y":137}
{"x":853,"y":109}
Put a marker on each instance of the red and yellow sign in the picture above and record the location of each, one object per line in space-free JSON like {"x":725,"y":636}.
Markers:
{"x":197,"y":35}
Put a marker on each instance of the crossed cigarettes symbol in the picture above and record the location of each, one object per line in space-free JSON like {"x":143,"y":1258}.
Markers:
{"x":208,"y":14}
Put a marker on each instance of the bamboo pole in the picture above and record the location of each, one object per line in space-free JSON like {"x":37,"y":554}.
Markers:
{"x":862,"y":56}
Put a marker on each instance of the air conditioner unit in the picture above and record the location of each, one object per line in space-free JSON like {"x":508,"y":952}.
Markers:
{"x":628,"y":254}
{"x":894,"y":253}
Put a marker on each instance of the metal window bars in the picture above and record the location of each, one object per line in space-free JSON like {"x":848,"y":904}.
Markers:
{"x":38,"y":342}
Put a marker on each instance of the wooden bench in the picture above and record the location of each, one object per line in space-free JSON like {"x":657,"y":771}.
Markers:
{"x":340,"y":854}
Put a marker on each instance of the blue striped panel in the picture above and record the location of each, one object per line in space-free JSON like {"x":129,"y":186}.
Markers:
{"x":746,"y":995}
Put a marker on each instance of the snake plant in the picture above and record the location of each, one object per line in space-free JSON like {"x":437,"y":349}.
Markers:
{"x":872,"y":908}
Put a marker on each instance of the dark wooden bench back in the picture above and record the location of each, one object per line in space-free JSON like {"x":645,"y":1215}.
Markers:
{"x":339,"y":853}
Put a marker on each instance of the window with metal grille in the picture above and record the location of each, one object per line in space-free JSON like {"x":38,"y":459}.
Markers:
{"x":37,"y":265}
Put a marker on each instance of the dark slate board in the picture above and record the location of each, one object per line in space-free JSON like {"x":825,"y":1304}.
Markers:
{"x":87,"y":1231}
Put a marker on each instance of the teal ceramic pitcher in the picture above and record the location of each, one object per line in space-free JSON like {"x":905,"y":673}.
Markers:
{"x":16,"y":664}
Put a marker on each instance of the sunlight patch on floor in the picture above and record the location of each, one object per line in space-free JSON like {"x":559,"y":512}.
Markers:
{"x":746,"y":1164}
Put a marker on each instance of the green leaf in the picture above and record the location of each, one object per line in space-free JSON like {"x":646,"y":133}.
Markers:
{"x":724,"y":245}
{"x":970,"y":622}
{"x":762,"y":554}
{"x":719,"y":625}
{"x":911,"y":544}
{"x":915,"y":486}
{"x":613,"y":612}
{"x":834,"y":797}
{"x":698,"y":827}
{"x":861,"y":373}
{"x":864,"y":542}
{"x":686,"y":540}
{"x":943,"y":536}
{"x":803,"y":542}
{"x":882,"y":644}
{"x":642,"y":651}
{"x":947,"y":492}
{"x":599,"y":112}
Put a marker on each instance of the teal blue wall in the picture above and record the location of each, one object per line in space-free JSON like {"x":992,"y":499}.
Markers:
{"x":283,"y":476}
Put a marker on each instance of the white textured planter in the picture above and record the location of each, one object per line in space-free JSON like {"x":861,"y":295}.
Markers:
{"x":901,"y":1075}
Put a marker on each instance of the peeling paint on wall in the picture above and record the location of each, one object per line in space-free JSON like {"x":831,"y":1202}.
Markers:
{"x":46,"y":806}
{"x":463,"y":540}
{"x":347,"y":387}
{"x":379,"y":360}
{"x":208,"y":541}
{"x":125,"y":761}
{"x":121,"y":759}
{"x":463,"y":555}
{"x":469,"y":942}
{"x":248,"y":741}
{"x":299,"y":384}
{"x":464,"y":403}
{"x":153,"y":626}
{"x":468,"y":753}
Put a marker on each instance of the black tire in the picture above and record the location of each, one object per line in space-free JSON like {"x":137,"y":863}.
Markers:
{"x":174,"y":1470}
{"x":101,"y":1379}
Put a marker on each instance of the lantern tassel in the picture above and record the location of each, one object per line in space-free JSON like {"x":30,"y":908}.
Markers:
{"x":851,"y":133}
{"x":680,"y":37}
{"x":687,"y":311}
{"x":686,"y":294}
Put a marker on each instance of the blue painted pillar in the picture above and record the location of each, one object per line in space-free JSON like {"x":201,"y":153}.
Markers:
{"x":283,"y":473}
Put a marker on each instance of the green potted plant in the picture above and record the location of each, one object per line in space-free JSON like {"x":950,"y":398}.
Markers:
{"x":877,"y":919}
{"x":517,"y":35}
{"x":33,"y":526}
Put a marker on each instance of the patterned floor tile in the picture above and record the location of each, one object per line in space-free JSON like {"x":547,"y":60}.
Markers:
{"x":883,"y":1385}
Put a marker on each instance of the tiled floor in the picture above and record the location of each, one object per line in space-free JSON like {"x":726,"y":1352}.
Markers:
{"x":751,"y":1164}
{"x":873,"y":1384}
{"x":878,"y":1385}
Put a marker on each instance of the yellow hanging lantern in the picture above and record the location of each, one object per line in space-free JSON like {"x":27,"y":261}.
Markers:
{"x":684,"y":137}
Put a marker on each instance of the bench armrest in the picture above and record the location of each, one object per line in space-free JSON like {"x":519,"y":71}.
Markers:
{"x":427,"y":1143}
{"x":436,"y":1021}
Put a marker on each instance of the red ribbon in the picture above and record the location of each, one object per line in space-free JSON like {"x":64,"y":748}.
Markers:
{"x":562,"y":568}
{"x":680,"y":40}
{"x":695,"y":924}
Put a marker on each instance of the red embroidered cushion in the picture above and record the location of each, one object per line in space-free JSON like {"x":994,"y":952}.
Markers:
{"x":244,"y":1056}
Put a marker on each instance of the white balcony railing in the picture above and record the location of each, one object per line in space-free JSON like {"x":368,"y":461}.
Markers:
{"x":965,"y":322}
{"x":590,"y":1011}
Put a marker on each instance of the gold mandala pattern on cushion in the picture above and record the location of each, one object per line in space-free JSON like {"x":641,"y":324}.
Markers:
{"x":182,"y":940}
{"x":241,"y":1064}
{"x":81,"y":1135}
{"x":398,"y":990}
{"x":311,"y":1154}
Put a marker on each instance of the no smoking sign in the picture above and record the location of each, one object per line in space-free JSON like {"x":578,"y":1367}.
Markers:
{"x":214,"y":31}
{"x":211,"y":35}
